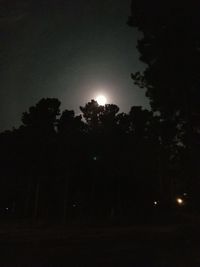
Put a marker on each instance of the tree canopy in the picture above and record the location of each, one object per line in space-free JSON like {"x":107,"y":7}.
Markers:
{"x":103,"y":162}
{"x":170,"y":46}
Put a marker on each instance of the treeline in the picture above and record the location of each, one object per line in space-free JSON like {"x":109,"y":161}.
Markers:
{"x":170,"y":49}
{"x":101,"y":164}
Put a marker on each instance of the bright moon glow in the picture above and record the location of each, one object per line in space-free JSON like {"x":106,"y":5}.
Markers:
{"x":101,"y":100}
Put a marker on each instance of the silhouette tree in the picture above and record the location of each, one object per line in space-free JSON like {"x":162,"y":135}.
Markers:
{"x":110,"y":145}
{"x":102,"y":148}
{"x":69,"y":146}
{"x":39,"y":125}
{"x":170,"y":48}
{"x":111,"y":165}
{"x":69,"y":123}
{"x":108,"y":116}
{"x":92,"y":113}
{"x":42,"y":117}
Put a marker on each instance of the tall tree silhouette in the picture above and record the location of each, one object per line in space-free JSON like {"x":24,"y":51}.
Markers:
{"x":109,"y":165}
{"x":70,"y":148}
{"x":39,"y":125}
{"x":103,"y":149}
{"x":43,"y":116}
{"x":170,"y":48}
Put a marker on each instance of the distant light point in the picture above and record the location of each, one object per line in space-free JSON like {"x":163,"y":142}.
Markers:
{"x":179,"y":201}
{"x":155,"y":203}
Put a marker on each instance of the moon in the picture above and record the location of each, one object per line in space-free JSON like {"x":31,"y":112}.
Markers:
{"x":101,"y":100}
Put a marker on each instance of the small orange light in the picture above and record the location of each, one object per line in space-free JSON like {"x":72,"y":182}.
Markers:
{"x":179,"y":201}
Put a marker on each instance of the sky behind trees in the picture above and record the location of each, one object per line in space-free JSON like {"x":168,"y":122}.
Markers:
{"x":69,"y":50}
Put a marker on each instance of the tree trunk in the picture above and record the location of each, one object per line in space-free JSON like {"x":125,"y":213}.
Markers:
{"x":36,"y":204}
{"x":119,"y":197}
{"x":65,"y":201}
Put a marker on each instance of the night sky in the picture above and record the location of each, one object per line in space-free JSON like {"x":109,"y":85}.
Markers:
{"x":70,"y":50}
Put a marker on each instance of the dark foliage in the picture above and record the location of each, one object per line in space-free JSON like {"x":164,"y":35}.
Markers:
{"x":170,"y":47}
{"x":109,"y":165}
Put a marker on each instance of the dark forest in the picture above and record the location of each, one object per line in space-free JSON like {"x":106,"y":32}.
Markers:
{"x":99,"y":165}
{"x":129,"y":181}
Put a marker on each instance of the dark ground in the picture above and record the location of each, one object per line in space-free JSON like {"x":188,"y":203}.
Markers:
{"x":43,"y":245}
